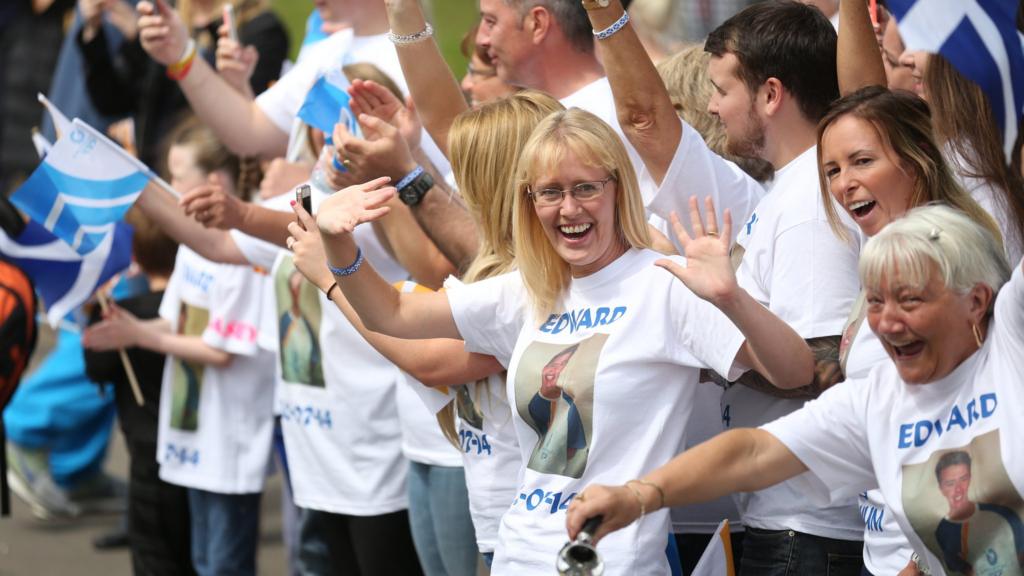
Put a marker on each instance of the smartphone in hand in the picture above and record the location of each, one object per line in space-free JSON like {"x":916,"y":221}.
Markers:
{"x":304,"y":197}
{"x":229,"y":21}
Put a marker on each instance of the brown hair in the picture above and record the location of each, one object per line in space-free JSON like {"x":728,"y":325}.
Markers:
{"x":152,"y":249}
{"x":903,"y":124}
{"x":963,"y":120}
{"x":211,"y":155}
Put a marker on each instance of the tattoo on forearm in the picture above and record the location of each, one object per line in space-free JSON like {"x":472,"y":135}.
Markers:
{"x":826,"y":373}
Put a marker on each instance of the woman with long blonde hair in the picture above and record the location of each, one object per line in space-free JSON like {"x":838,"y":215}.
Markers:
{"x":586,"y":279}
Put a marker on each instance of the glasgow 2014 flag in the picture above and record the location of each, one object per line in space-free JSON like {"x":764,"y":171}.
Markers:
{"x":327,"y":103}
{"x":84,"y":185}
{"x":980,"y":39}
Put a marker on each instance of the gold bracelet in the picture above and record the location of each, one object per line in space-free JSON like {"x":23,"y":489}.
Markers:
{"x":639,"y":499}
{"x":661,"y":493}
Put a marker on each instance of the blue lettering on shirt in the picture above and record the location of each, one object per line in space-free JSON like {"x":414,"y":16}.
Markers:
{"x":198,"y":278}
{"x":873,"y":517}
{"x":555,"y":501}
{"x":918,"y":433}
{"x":582,"y":319}
{"x":750,"y":223}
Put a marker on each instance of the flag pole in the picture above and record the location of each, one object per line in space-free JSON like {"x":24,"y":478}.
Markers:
{"x":132,"y":380}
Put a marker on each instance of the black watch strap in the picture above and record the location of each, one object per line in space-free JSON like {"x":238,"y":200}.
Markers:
{"x":412,"y":193}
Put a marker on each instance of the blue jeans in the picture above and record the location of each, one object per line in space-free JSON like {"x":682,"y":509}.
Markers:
{"x":439,"y":517}
{"x":791,"y":553}
{"x":225,"y":529}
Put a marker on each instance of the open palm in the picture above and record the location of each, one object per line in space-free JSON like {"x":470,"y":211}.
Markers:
{"x":708,"y":271}
{"x":341,"y":212}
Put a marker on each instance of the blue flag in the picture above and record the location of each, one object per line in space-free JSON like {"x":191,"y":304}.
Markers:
{"x":84,"y":185}
{"x":327,"y":103}
{"x":64,"y":278}
{"x":980,"y":39}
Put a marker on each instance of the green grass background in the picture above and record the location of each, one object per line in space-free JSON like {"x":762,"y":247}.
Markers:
{"x":452,"y":18}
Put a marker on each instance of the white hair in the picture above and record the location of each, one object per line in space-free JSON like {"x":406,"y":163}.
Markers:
{"x":936,"y":238}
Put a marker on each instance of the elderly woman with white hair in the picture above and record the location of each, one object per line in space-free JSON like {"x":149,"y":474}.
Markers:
{"x":933,"y":429}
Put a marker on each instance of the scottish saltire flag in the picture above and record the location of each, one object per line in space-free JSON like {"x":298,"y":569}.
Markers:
{"x":64,"y":278}
{"x":717,"y":557}
{"x":327,"y":103}
{"x":980,"y":39}
{"x":84,"y":185}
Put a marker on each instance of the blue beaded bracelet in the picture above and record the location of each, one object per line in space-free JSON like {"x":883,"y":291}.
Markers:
{"x":618,"y":25}
{"x":408,"y":178}
{"x":351,"y":269}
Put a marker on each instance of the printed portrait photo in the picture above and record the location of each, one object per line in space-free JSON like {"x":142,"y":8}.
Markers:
{"x":555,"y":396}
{"x":298,"y":317}
{"x":964,"y":507}
{"x":187,"y":376}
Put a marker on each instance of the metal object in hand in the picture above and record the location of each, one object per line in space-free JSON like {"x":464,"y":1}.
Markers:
{"x":580,"y":557}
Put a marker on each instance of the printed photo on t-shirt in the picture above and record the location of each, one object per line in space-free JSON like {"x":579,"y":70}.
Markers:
{"x":964,"y":507}
{"x":298,"y":315}
{"x":554,"y":393}
{"x":465,"y":404}
{"x":188,"y":376}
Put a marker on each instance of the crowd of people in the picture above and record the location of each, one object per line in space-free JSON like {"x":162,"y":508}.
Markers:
{"x":775,"y":278}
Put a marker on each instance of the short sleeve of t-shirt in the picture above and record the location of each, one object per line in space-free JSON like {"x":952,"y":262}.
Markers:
{"x":235,"y":311}
{"x":258,"y":252}
{"x":829,"y":435}
{"x":704,"y":332}
{"x":1009,"y":309}
{"x":489,"y":314}
{"x":696,"y":170}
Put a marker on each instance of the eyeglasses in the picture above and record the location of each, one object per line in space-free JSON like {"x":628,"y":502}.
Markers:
{"x":582,"y":192}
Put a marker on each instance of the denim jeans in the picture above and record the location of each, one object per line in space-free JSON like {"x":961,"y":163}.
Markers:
{"x":791,"y":553}
{"x":225,"y":529}
{"x":439,"y":517}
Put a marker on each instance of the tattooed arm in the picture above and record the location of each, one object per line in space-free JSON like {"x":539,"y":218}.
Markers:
{"x":826,"y":373}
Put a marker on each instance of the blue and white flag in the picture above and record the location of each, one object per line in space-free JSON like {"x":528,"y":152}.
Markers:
{"x":327,"y":103}
{"x":61,"y":124}
{"x":84,"y":185}
{"x":980,"y":39}
{"x":64,"y":278}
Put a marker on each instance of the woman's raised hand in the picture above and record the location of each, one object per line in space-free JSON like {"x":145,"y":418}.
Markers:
{"x":307,"y":249}
{"x":341,"y":212}
{"x":708,"y":271}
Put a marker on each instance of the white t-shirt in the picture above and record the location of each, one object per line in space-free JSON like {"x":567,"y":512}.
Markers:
{"x":216,"y":425}
{"x":909,"y":439}
{"x":696,"y":170}
{"x":705,"y":423}
{"x":601,"y":390}
{"x":281,"y":102}
{"x":991,"y":199}
{"x":796,"y":266}
{"x":886,"y":549}
{"x":336,"y":394}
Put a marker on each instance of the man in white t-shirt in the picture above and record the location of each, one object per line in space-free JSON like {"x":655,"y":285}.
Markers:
{"x":773,"y":71}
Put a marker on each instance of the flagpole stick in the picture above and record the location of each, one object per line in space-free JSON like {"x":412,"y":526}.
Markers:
{"x":132,"y":380}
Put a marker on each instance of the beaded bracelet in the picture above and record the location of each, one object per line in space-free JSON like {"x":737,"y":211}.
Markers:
{"x":408,"y":178}
{"x":615,"y":27}
{"x":351,"y":269}
{"x":411,"y":38}
{"x":181,"y":68}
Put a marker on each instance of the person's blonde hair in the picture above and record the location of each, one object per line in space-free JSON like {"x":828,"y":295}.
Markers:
{"x":902,"y":122}
{"x":484,"y":146}
{"x":935,"y":239}
{"x":545,"y":275}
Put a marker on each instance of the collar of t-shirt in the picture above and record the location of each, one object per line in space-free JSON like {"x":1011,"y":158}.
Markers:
{"x":614,"y":271}
{"x":795,"y":165}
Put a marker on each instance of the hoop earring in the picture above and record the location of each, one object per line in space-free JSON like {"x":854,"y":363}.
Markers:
{"x":977,"y":335}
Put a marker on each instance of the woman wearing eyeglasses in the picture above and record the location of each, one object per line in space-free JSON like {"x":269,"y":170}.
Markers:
{"x":588,"y":284}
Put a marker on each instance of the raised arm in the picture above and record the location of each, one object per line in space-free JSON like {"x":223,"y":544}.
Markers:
{"x":434,"y":362}
{"x":381,"y":308}
{"x":432,"y":86}
{"x":642,"y":103}
{"x":239,"y":123}
{"x":212,"y":244}
{"x":858,"y":57}
{"x":772,"y":348}
{"x":214,"y":208}
{"x":743,"y":460}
